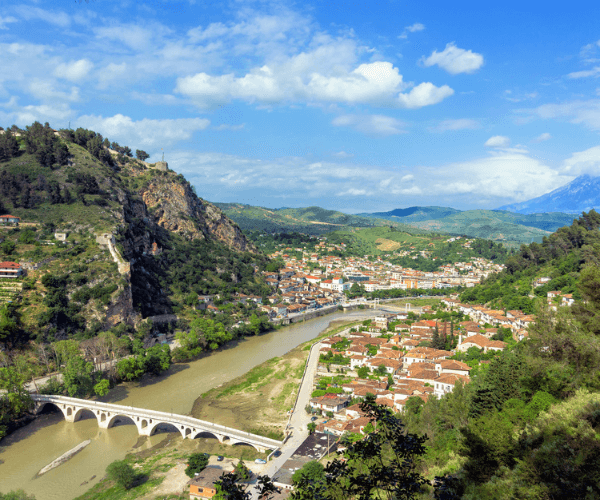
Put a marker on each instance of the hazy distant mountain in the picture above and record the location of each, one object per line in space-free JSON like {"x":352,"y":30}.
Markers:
{"x":414,"y":214}
{"x":580,"y":195}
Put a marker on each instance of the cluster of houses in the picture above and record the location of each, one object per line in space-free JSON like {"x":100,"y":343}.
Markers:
{"x":565,"y":299}
{"x":339,"y":273}
{"x":416,"y":370}
{"x":515,"y":320}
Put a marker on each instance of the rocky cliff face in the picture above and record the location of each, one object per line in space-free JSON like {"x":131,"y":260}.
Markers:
{"x":176,"y":208}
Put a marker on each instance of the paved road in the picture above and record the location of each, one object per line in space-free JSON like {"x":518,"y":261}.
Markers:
{"x":298,"y":421}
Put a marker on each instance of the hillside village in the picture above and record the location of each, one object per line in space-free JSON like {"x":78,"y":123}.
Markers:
{"x":393,"y":358}
{"x":319,"y":278}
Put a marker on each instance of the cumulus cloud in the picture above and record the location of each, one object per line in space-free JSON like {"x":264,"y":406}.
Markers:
{"x":501,"y":176}
{"x":371,"y":124}
{"x":453,"y":125}
{"x":143,"y":133}
{"x":498,"y":141}
{"x":424,"y":94}
{"x":55,"y":113}
{"x":377,"y":83}
{"x":454,"y":60}
{"x":74,"y":70}
{"x":412,"y":29}
{"x":583,"y":162}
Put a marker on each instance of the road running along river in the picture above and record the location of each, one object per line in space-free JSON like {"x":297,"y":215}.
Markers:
{"x":25,"y":452}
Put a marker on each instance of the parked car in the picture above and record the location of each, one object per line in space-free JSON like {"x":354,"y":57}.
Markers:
{"x":260,"y":461}
{"x":313,"y":419}
{"x":220,"y":458}
{"x":277,"y":453}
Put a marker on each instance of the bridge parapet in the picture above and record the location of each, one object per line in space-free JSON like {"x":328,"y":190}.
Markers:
{"x":147,"y":421}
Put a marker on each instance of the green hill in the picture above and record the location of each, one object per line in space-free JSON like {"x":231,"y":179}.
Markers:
{"x":310,"y":220}
{"x":414,"y":214}
{"x":486,"y":224}
{"x":490,"y":224}
{"x":169,"y":245}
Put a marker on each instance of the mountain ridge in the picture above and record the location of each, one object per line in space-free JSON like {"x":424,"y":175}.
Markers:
{"x":580,"y":195}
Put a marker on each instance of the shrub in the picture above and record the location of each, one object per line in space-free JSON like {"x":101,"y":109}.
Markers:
{"x":122,"y":473}
{"x":197,"y":462}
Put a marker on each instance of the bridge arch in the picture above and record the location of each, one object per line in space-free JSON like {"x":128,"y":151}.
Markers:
{"x":155,"y":424}
{"x":201,"y":433}
{"x":116,"y":418}
{"x":81,"y":412}
{"x":244,"y":443}
{"x":40,"y":407}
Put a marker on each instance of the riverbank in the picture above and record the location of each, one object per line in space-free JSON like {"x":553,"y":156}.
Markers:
{"x":259,"y":401}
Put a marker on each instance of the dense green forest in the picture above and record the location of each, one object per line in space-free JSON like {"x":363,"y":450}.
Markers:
{"x":561,"y":257}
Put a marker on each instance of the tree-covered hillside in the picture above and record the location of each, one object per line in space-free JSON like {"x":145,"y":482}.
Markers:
{"x":560,"y":257}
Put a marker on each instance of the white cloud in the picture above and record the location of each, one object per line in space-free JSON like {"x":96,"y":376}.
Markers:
{"x":29,"y":13}
{"x":371,"y":124}
{"x":454,"y":60}
{"x":543,"y":137}
{"x":112,"y":72}
{"x":595,"y":72}
{"x":226,"y":126}
{"x":424,"y":94}
{"x":578,"y":111}
{"x":134,"y":36}
{"x":342,"y":154}
{"x":378,"y":83}
{"x":501,"y":176}
{"x":74,"y":70}
{"x":583,"y":162}
{"x":588,"y":52}
{"x":498,"y":141}
{"x":412,"y":29}
{"x":453,"y":125}
{"x":143,"y":133}
{"x":4,"y":20}
{"x":45,"y":90}
{"x":56,"y":113}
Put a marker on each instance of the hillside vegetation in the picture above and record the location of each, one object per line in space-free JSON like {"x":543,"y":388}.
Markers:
{"x":560,"y":257}
{"x":115,"y":251}
{"x":496,"y":225}
{"x":310,"y":220}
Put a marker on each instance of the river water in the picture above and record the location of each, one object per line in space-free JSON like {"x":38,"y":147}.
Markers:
{"x":31,"y":448}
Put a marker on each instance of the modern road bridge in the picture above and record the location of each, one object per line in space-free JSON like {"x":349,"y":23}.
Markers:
{"x":147,"y":421}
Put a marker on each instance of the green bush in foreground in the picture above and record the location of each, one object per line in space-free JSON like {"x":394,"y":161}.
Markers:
{"x":122,"y":473}
{"x":196,"y":463}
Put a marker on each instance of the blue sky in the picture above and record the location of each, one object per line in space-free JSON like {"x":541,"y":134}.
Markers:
{"x":354,"y":106}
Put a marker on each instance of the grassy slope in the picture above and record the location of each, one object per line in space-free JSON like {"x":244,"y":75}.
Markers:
{"x":380,"y":239}
{"x":414,"y":214}
{"x":310,"y":220}
{"x":484,"y":224}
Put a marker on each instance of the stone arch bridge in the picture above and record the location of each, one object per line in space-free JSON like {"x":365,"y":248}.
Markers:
{"x":147,"y":421}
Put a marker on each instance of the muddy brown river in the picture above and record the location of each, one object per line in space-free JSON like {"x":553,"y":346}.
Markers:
{"x":25,"y":452}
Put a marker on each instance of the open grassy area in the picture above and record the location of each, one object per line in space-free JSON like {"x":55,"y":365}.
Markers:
{"x":259,"y":400}
{"x":162,"y":468}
